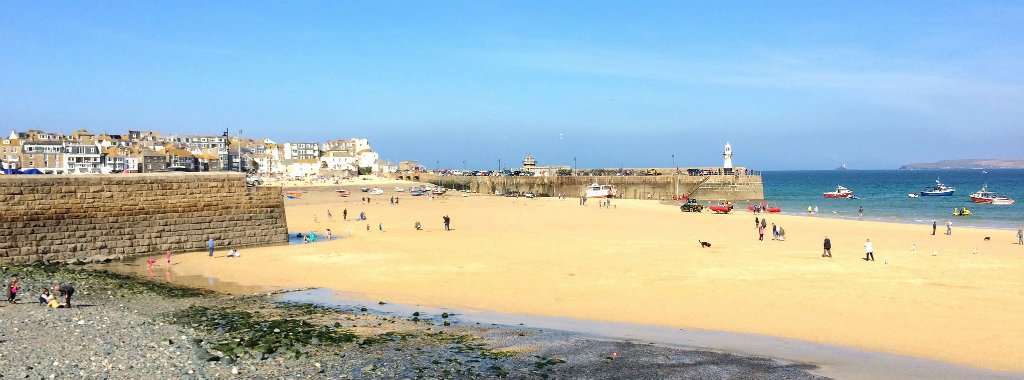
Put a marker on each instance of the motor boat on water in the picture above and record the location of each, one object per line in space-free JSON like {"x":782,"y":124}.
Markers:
{"x":841,"y":192}
{"x":985,"y":196}
{"x":939,"y":190}
{"x":1002,"y":201}
{"x":912,"y":195}
{"x":600,"y":191}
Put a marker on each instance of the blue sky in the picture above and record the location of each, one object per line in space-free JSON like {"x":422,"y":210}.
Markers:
{"x":792,"y":85}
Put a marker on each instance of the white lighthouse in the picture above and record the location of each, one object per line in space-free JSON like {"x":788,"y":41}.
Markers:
{"x":728,"y":156}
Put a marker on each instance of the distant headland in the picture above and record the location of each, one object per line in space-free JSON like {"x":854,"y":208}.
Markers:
{"x":984,"y":163}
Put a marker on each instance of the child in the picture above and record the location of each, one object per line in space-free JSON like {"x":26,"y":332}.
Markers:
{"x":48,"y":299}
{"x":12,"y":290}
{"x":234,"y":253}
{"x":168,"y":258}
{"x":328,"y":234}
{"x":149,"y":264}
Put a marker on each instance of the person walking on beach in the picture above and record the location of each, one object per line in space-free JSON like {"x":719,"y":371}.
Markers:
{"x":168,"y":258}
{"x":209,"y":243}
{"x":380,"y":226}
{"x":329,"y":217}
{"x":860,"y":211}
{"x":1020,"y":235}
{"x":757,"y":221}
{"x":328,"y":234}
{"x":869,"y":250}
{"x":447,"y":223}
{"x":934,"y":224}
{"x":949,"y":227}
{"x":344,"y":214}
{"x":775,"y":232}
{"x":66,"y":291}
{"x":809,"y":209}
{"x":828,"y":248}
{"x":760,"y":233}
{"x":764,"y":223}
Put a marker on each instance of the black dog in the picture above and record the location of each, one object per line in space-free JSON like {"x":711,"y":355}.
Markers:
{"x":704,"y":244}
{"x":987,"y":238}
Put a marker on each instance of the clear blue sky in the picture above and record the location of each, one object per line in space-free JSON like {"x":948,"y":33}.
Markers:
{"x":792,"y":85}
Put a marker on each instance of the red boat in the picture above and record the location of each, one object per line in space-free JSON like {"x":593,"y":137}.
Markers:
{"x":766,"y":209}
{"x":722,"y":208}
{"x":841,"y":192}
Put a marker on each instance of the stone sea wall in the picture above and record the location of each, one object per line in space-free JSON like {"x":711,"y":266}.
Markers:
{"x":65,"y":217}
{"x":739,"y":187}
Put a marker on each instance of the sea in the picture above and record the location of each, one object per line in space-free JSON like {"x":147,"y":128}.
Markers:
{"x":883,"y":194}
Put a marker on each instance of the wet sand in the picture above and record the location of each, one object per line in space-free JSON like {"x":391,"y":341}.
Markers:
{"x":639,"y":262}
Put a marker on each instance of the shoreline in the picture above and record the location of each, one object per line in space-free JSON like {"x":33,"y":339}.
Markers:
{"x":717,"y":284}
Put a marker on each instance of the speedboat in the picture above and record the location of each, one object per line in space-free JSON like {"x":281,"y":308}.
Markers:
{"x":1002,"y":201}
{"x":600,"y":191}
{"x":841,"y":192}
{"x":912,"y":195}
{"x":939,"y":190}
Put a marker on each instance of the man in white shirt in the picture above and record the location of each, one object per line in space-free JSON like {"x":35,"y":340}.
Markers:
{"x":869,"y":250}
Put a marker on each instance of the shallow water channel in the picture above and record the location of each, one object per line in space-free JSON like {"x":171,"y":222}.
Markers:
{"x":833,"y":361}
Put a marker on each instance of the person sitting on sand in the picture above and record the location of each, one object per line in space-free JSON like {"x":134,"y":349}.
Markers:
{"x":234,"y":253}
{"x":419,"y":226}
{"x":46,"y":297}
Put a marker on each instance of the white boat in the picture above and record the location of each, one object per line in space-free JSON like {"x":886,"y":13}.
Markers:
{"x":376,"y":191}
{"x":841,"y":192}
{"x":1002,"y":201}
{"x":399,"y":189}
{"x":600,"y":191}
{"x":912,"y":195}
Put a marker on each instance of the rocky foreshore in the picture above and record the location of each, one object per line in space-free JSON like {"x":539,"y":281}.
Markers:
{"x":126,"y":328}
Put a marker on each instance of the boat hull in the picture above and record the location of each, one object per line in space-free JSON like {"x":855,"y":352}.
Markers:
{"x":945,"y":193}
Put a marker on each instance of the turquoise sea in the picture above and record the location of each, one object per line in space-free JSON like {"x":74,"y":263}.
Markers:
{"x":883,"y":194}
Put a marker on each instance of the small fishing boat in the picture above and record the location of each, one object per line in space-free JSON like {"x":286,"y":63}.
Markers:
{"x":376,"y":191}
{"x":841,"y":192}
{"x":342,"y":192}
{"x":600,"y":191}
{"x":985,"y":196}
{"x":939,"y":190}
{"x":399,"y":189}
{"x":293,"y":195}
{"x":417,"y":192}
{"x":437,"y":190}
{"x":912,"y":195}
{"x":364,"y":189}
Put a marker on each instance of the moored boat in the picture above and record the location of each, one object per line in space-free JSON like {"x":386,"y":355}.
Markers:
{"x":376,"y":191}
{"x":293,"y":195}
{"x":722,"y":207}
{"x":985,"y":196}
{"x":841,"y":192}
{"x":342,"y":192}
{"x":1002,"y":201}
{"x":939,"y":190}
{"x":600,"y":191}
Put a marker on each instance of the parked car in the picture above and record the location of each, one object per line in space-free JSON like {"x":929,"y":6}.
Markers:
{"x":251,"y":180}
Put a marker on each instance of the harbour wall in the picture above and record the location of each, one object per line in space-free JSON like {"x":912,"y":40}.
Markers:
{"x":67,"y":217}
{"x":730,"y":187}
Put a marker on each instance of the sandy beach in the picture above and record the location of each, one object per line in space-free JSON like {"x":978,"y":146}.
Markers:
{"x":640,"y":262}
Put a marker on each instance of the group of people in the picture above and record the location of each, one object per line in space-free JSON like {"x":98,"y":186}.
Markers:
{"x":777,"y":232}
{"x":46,"y":298}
